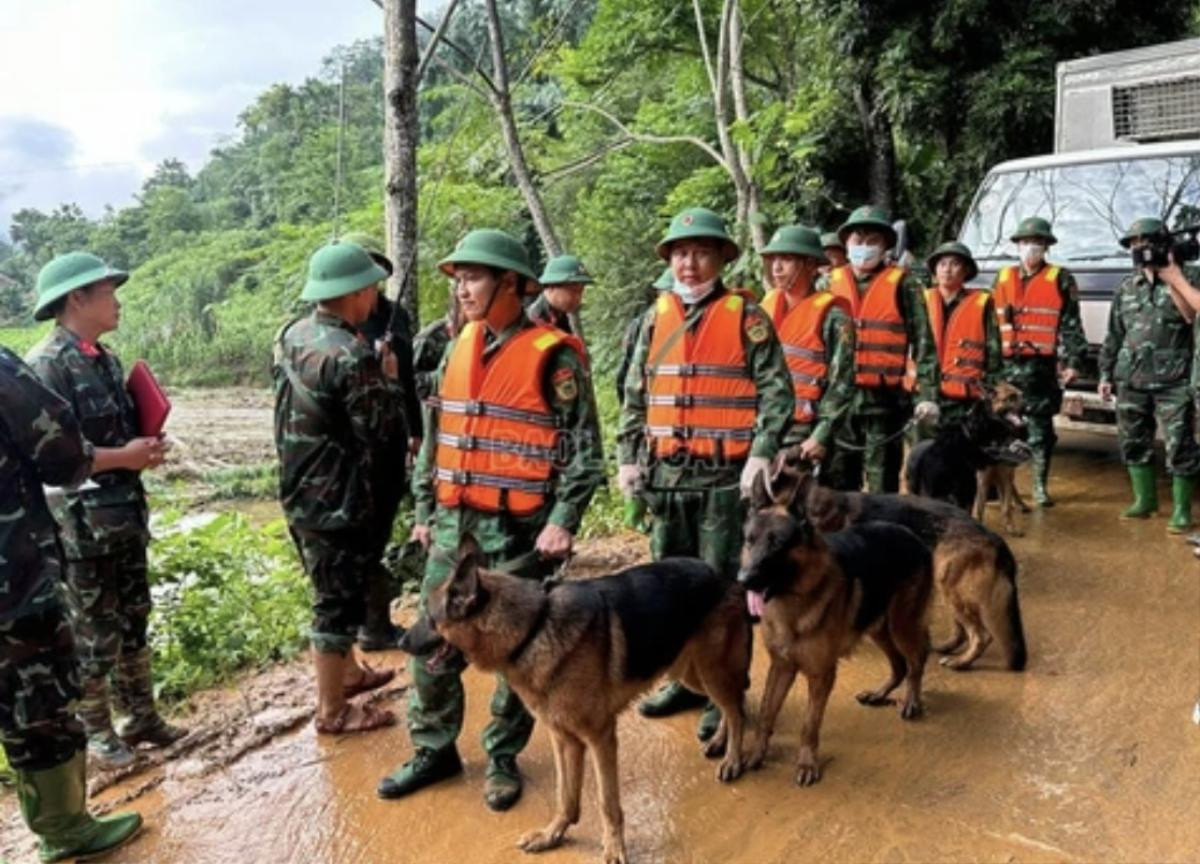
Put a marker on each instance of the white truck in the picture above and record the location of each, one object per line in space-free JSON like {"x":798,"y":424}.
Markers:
{"x":1127,"y":144}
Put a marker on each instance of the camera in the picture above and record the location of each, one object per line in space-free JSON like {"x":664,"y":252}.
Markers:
{"x":1182,"y":245}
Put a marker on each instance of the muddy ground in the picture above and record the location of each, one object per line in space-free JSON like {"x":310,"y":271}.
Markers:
{"x":1089,"y":755}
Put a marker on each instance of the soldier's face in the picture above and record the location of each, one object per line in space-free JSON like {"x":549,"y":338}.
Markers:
{"x":97,"y":306}
{"x":565,"y":298}
{"x":475,"y":286}
{"x":789,"y":271}
{"x":696,"y":262}
{"x":836,"y":256}
{"x":951,"y":271}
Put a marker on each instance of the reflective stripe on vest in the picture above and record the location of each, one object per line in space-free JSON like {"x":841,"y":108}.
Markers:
{"x":496,"y":439}
{"x":961,"y":342}
{"x":800,"y":331}
{"x":1028,"y":314}
{"x":700,"y":396}
{"x":881,"y":343}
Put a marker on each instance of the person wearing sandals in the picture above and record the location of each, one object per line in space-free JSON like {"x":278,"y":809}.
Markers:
{"x":338,"y":414}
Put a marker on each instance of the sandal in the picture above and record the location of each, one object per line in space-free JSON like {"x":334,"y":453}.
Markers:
{"x":345,"y":723}
{"x":372,"y":679}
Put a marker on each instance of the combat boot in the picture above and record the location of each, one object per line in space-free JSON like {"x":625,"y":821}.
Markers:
{"x":135,"y":692}
{"x":709,"y":721}
{"x":502,"y":784}
{"x":1145,"y":493}
{"x":425,"y":768}
{"x":105,"y":747}
{"x":1181,"y":498}
{"x":53,"y":803}
{"x":671,"y":698}
{"x":1041,"y":477}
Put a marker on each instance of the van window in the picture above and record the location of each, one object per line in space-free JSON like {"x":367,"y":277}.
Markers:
{"x":1089,"y":205}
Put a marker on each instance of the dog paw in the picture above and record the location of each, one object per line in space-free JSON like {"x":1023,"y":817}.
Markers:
{"x":730,"y":769}
{"x":807,"y":774}
{"x":911,"y":709}
{"x":757,"y":757}
{"x":872,"y":698}
{"x":714,"y":748}
{"x":614,"y":854}
{"x":1013,"y":531}
{"x":540,"y":841}
{"x":955,"y":663}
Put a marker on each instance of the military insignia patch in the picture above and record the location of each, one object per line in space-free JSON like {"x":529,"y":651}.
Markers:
{"x":687,"y":219}
{"x":565,"y":387}
{"x":757,"y":330}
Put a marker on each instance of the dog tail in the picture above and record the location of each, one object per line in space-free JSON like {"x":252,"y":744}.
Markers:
{"x":1005,"y":611}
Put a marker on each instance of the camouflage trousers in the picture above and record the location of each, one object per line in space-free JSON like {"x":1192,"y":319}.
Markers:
{"x":1175,"y":412}
{"x":338,"y":564}
{"x":437,"y":703}
{"x":872,"y":444}
{"x":39,"y":686}
{"x":697,"y":511}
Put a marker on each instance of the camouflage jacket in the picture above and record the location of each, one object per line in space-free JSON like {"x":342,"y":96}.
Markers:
{"x":337,"y":419}
{"x":767,"y":366}
{"x":580,"y":457}
{"x":428,"y":348}
{"x":111,"y":512}
{"x":1149,"y":344}
{"x":40,"y":442}
{"x":542,"y":312}
{"x":876,"y":400}
{"x":388,"y":314}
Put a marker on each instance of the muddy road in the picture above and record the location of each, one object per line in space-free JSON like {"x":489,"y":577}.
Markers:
{"x":1089,"y":755}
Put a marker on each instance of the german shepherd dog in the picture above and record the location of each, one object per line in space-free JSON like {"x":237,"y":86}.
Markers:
{"x":578,"y":652}
{"x":964,"y":459}
{"x":821,"y":595}
{"x":973,"y":567}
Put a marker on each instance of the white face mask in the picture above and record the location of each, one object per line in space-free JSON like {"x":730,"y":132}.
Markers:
{"x":693,"y":293}
{"x":864,"y":256}
{"x":1031,"y":253}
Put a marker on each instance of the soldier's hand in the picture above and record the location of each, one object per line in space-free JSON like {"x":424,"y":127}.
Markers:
{"x":388,"y":361}
{"x":1105,"y":390}
{"x":142,"y":453}
{"x":1069,"y":375}
{"x":554,"y":541}
{"x":421,"y":534}
{"x":630,"y":480}
{"x":812,"y":449}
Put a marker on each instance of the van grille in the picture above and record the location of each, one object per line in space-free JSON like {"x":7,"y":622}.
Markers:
{"x":1157,"y":111}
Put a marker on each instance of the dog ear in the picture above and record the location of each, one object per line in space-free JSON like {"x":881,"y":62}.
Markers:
{"x":760,"y":498}
{"x":798,"y":503}
{"x":464,"y":595}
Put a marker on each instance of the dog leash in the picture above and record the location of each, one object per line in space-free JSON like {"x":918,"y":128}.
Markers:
{"x":846,"y":445}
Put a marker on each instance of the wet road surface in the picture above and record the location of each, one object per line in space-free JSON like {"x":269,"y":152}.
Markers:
{"x":1089,"y":755}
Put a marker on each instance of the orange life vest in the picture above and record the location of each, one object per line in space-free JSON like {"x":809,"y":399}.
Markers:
{"x":800,"y":331}
{"x":496,"y":439}
{"x":881,"y":338}
{"x":961,"y":342}
{"x":700,"y":396}
{"x":1028,"y":315}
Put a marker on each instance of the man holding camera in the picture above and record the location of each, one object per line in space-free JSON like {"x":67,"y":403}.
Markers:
{"x":1147,"y":354}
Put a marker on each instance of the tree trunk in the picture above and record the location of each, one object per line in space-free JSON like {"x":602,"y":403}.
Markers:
{"x":400,"y":149}
{"x":502,"y":102}
{"x":881,"y":148}
{"x":737,"y":82}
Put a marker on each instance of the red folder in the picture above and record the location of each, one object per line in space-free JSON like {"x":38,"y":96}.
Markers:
{"x":151,"y":402}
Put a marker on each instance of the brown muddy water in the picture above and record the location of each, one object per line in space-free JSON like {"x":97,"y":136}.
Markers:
{"x":1089,"y":755}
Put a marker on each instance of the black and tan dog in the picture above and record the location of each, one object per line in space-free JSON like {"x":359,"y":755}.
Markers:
{"x":821,"y":594}
{"x":973,"y":567}
{"x":578,"y":652}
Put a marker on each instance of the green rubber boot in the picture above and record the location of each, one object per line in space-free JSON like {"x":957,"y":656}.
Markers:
{"x":1181,"y":512}
{"x":1041,"y":478}
{"x":671,"y":698}
{"x":425,"y":768}
{"x":1145,"y":493}
{"x":54,"y":805}
{"x":710,"y":719}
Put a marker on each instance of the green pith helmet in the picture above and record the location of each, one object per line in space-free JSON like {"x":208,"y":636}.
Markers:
{"x":1147,"y":226}
{"x":696,"y":223}
{"x":953,"y":248}
{"x":1034,"y":228}
{"x":831,"y":240}
{"x":868,"y":216}
{"x":372,"y":247}
{"x":565,"y":270}
{"x":795,"y":240}
{"x":665,"y":280}
{"x":340,"y":269}
{"x":492,"y":248}
{"x":69,"y":271}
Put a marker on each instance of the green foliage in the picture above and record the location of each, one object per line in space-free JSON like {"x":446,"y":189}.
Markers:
{"x":244,"y":481}
{"x":226,"y":596}
{"x":20,"y":339}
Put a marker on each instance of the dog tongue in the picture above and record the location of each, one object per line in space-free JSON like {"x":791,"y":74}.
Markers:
{"x":755,"y":603}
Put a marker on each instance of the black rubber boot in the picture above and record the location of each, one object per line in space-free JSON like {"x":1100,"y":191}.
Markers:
{"x":425,"y":768}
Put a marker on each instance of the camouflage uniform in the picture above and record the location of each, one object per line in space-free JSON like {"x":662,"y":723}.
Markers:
{"x":870,"y":442}
{"x":542,"y":312}
{"x":429,"y":346}
{"x":104,"y":532}
{"x":436,"y":701}
{"x":338,"y":424}
{"x":696,"y":503}
{"x":1037,"y":377}
{"x":40,"y":442}
{"x":1147,"y":354}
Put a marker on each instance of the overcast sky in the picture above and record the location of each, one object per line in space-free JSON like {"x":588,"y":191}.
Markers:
{"x":94,"y":93}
